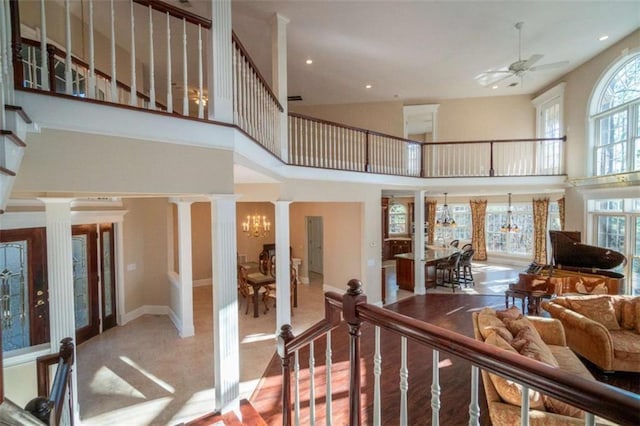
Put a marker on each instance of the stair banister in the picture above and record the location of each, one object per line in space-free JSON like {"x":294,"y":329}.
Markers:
{"x":352,"y":300}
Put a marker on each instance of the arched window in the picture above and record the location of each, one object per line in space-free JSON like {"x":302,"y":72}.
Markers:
{"x":398,"y":219}
{"x":615,"y":118}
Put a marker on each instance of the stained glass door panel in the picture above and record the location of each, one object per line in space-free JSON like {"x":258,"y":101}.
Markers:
{"x":85,"y":282}
{"x":108,"y":282}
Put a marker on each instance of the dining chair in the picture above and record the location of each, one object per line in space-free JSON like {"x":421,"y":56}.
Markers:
{"x":272,"y":288}
{"x":454,"y":243}
{"x":449,"y":267}
{"x":246,"y":291}
{"x":467,"y":246}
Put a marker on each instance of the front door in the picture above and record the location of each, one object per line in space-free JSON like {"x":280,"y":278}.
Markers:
{"x":24,"y":296}
{"x":85,"y":281}
{"x":108,"y":275}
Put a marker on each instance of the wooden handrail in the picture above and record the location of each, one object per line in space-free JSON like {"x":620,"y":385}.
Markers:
{"x":562,"y":138}
{"x":255,"y":69}
{"x":176,"y":12}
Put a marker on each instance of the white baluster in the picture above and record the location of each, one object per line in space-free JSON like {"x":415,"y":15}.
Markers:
{"x":234,"y":59}
{"x":404,"y":382}
{"x":200,"y":88}
{"x":312,"y":385}
{"x":185,"y":91}
{"x":589,"y":419}
{"x":44,"y":61}
{"x":67,"y":60}
{"x":114,"y":83}
{"x":152,"y":67}
{"x":329,"y":392}
{"x":435,"y":389}
{"x":296,"y":390}
{"x":377,"y":372}
{"x":133,"y":98}
{"x":91,"y":83}
{"x":524,"y":407}
{"x":474,"y":408}
{"x":169,"y":88}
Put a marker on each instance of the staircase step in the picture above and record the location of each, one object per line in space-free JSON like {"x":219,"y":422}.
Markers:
{"x":18,"y":110}
{"x":250,"y":417}
{"x":13,"y":138}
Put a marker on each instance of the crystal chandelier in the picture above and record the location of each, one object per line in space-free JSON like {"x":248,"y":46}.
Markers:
{"x":256,"y":226}
{"x":509,"y":227}
{"x":445,"y":218}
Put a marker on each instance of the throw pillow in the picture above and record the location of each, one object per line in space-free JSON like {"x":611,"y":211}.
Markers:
{"x":637,"y":316}
{"x":599,"y":309}
{"x":555,"y":406}
{"x":510,"y":391}
{"x":628,"y":317}
{"x":530,"y":344}
{"x":516,"y":325}
{"x":511,"y":313}
{"x":488,"y":323}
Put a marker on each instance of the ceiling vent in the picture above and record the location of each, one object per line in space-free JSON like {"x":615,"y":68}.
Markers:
{"x":294,"y":98}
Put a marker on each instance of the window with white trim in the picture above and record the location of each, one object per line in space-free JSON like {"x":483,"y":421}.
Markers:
{"x":549,"y":124}
{"x":615,"y":119}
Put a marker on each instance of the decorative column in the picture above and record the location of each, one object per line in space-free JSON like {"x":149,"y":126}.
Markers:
{"x":283,"y":278}
{"x":279,"y":76}
{"x":62,"y":321}
{"x":226,"y":347}
{"x":220,"y":65}
{"x":418,"y":243}
{"x":186,"y":268}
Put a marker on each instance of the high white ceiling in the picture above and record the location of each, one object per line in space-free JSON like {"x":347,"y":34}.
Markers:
{"x":425,"y":50}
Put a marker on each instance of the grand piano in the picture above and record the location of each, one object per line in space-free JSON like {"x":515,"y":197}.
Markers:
{"x":576,"y":268}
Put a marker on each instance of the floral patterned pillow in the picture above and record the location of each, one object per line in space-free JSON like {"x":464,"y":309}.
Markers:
{"x":598,"y":309}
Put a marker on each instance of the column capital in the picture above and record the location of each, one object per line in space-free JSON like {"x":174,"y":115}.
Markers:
{"x":229,"y":197}
{"x":56,"y":200}
{"x":277,"y":18}
{"x":281,"y":202}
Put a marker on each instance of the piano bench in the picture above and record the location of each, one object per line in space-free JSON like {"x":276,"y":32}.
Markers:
{"x":515,"y":294}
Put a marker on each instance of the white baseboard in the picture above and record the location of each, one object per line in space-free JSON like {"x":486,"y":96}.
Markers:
{"x":203,"y":282}
{"x":175,"y":320}
{"x":145,"y":310}
{"x":304,"y":280}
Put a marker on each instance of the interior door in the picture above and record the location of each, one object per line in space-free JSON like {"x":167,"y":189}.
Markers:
{"x":108,"y":276}
{"x":24,"y":295}
{"x":85,"y":281}
{"x":315,"y":243}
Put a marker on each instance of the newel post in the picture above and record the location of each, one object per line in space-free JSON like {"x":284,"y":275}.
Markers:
{"x":350,"y":302}
{"x":285,"y":336}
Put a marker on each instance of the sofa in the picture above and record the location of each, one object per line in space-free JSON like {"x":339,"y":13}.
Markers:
{"x":539,"y":338}
{"x":604,"y":329}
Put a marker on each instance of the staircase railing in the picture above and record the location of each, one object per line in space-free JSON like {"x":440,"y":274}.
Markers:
{"x":319,"y":143}
{"x":593,"y":397}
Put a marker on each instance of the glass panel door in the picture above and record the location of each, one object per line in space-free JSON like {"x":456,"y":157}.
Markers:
{"x":108,"y":281}
{"x":85,"y":281}
{"x":24,"y":308}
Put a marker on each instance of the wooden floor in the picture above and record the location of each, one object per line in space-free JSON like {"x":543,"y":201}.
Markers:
{"x":451,"y":312}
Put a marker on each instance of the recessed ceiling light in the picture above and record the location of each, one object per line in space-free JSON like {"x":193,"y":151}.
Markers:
{"x":495,"y":86}
{"x":309,"y":61}
{"x":603,"y":38}
{"x":368,"y":86}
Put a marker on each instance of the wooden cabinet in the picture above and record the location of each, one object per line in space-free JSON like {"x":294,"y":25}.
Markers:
{"x":393,"y":247}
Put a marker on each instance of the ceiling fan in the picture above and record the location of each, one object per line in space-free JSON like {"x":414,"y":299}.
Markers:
{"x":518,"y":68}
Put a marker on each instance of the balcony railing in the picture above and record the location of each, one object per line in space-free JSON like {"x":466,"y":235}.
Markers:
{"x":177,"y":86}
{"x":591,"y":396}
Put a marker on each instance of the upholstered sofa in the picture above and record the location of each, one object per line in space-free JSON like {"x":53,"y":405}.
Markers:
{"x":546,"y":343}
{"x":604,"y":329}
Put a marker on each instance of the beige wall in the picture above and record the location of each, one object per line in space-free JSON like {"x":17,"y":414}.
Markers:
{"x":20,"y":383}
{"x":252,"y":246}
{"x":384,"y":117}
{"x":498,"y":117}
{"x":342,"y":239}
{"x":146,"y":239}
{"x":201,"y":240}
{"x":55,"y":160}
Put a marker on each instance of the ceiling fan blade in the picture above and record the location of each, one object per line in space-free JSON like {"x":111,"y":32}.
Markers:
{"x":492,"y":77}
{"x":532,"y":60}
{"x":549,"y":66}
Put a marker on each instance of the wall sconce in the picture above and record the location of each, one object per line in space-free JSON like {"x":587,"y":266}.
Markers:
{"x":256,"y":226}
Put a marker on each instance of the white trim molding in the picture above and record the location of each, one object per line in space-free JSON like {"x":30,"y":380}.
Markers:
{"x":147,"y":310}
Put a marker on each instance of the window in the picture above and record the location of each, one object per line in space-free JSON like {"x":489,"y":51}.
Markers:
{"x":549,"y":111}
{"x":518,"y":243}
{"x":615,"y":117}
{"x":554,"y":216}
{"x":397,"y":219}
{"x":461,"y":213}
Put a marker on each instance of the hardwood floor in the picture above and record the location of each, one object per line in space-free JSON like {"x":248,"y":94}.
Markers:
{"x":451,"y":312}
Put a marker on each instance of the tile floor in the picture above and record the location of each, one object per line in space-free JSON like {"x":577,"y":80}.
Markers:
{"x":143,"y":373}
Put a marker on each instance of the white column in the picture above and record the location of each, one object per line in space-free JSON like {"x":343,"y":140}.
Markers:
{"x":62,"y":321}
{"x":279,"y":76}
{"x":120,"y":276}
{"x":186,"y":268}
{"x":220,"y":65}
{"x":283,"y":288}
{"x":418,"y":243}
{"x":226,"y":347}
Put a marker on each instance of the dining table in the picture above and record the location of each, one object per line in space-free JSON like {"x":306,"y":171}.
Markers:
{"x":258,"y":280}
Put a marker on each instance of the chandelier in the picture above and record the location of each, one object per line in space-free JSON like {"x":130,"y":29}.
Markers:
{"x":509,"y":227}
{"x":445,"y":218}
{"x":256,"y":226}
